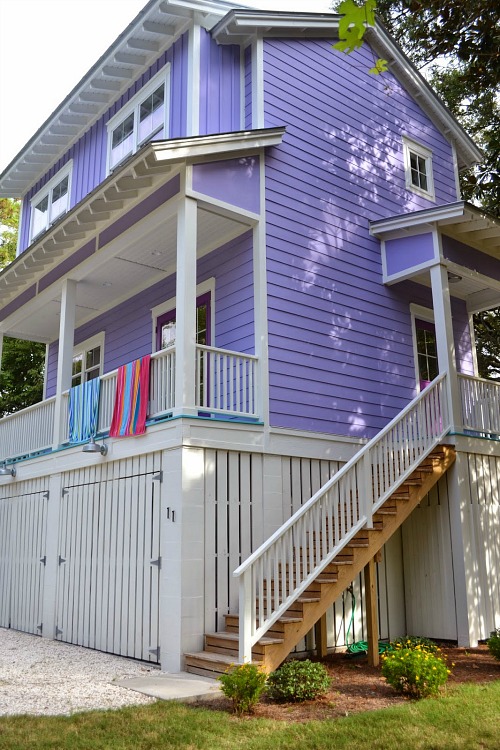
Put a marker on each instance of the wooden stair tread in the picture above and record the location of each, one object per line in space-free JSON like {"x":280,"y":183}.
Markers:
{"x":227,"y":636}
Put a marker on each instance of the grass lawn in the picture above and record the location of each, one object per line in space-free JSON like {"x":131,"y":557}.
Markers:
{"x":468,"y":717}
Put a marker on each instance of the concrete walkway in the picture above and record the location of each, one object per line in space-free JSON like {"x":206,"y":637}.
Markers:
{"x":183,"y":687}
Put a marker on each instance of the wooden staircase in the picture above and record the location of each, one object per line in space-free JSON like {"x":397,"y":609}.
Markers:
{"x":221,"y":649}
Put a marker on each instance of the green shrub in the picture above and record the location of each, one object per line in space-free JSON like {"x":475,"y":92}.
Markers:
{"x":412,"y":641}
{"x":414,"y":671}
{"x":493,"y":643}
{"x":243,"y":685}
{"x":297,"y":681}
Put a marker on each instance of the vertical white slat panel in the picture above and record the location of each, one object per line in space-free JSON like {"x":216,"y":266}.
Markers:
{"x":94,"y":603}
{"x":210,"y":542}
{"x":147,"y":573}
{"x":154,"y":595}
{"x":222,"y":540}
{"x":141,"y":553}
{"x":245,"y":505}
{"x":121,"y":493}
{"x":257,"y":499}
{"x":296,"y":482}
{"x":5,"y":560}
{"x":130,"y":566}
{"x":234,"y":542}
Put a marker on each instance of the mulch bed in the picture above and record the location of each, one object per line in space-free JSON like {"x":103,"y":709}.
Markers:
{"x":357,"y":687}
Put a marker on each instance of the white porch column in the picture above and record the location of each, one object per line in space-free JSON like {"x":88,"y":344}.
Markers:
{"x":65,"y":356}
{"x":445,"y":341}
{"x":185,"y":335}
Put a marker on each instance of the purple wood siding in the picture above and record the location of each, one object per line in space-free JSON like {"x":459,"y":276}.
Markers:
{"x":407,"y":252}
{"x":89,"y":152}
{"x":128,"y":327}
{"x":471,"y":258}
{"x":341,"y":354}
{"x":234,"y":181}
{"x":220,"y":87}
{"x":248,"y":87}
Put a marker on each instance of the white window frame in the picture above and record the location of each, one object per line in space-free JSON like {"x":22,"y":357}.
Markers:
{"x":46,"y":192}
{"x":418,"y":312}
{"x":164,"y":307}
{"x":133,"y":107}
{"x":87,"y":345}
{"x":412,"y":147}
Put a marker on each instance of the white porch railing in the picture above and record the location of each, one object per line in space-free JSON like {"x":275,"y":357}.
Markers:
{"x":162,"y":383}
{"x":226,"y":382}
{"x":480,"y":404}
{"x":27,"y":431}
{"x":278,"y":572}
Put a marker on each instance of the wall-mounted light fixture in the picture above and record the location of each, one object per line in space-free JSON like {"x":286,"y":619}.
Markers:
{"x":7,"y":471}
{"x":454,"y":278}
{"x":93,"y":447}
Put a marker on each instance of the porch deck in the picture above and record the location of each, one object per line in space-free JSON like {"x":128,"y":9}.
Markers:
{"x":226,"y":386}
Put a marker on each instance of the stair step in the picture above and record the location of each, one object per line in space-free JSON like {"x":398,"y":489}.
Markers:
{"x":208,"y":664}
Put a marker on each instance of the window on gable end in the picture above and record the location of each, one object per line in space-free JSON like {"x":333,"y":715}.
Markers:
{"x":51,"y":202}
{"x":144,"y":117}
{"x":418,"y":168}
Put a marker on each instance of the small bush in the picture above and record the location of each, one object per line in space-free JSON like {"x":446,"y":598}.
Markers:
{"x":493,"y":643}
{"x":243,"y":685}
{"x":297,"y":681}
{"x":414,"y":671}
{"x":412,"y":641}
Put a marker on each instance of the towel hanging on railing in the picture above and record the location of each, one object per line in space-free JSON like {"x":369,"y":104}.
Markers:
{"x":131,"y":399}
{"x":83,"y":410}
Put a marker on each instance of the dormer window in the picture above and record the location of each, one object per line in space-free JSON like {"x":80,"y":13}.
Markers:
{"x":51,"y":202}
{"x":141,"y":120}
{"x":418,"y":168}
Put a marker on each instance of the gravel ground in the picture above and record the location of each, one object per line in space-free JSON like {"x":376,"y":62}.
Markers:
{"x":38,"y":676}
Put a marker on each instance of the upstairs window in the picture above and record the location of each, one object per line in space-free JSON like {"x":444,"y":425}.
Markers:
{"x":51,"y":202}
{"x":418,"y":168}
{"x":87,"y":360}
{"x":141,"y":120}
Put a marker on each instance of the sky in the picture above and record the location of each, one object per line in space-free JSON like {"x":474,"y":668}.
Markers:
{"x":47,"y":46}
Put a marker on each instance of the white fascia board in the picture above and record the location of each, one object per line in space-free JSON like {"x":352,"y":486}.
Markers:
{"x":216,"y":146}
{"x":238,"y":26}
{"x":381,"y":42}
{"x":383,"y":227}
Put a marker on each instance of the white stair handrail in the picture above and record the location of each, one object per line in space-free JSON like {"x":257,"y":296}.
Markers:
{"x":283,"y":567}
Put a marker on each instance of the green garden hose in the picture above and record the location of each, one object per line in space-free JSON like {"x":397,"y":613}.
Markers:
{"x":360,"y":647}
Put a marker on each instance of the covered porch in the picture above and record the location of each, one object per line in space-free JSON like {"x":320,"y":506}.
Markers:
{"x":140,"y":248}
{"x":453,"y":253}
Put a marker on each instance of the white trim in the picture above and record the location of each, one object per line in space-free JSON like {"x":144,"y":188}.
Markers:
{"x":242,"y":87}
{"x":20,"y":224}
{"x":422,"y":313}
{"x":216,"y":147}
{"x":409,"y":273}
{"x":410,"y":146}
{"x":205,"y":287}
{"x":261,"y":332}
{"x":456,"y":172}
{"x":258,"y":118}
{"x":473,"y":346}
{"x":132,"y":107}
{"x":45,"y":368}
{"x":46,"y":191}
{"x":235,"y":210}
{"x":193,"y":82}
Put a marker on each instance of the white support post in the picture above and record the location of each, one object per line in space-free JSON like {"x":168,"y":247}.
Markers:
{"x":445,"y":341}
{"x":185,"y":335}
{"x":367,"y":488}
{"x":245,"y":618}
{"x":65,"y":356}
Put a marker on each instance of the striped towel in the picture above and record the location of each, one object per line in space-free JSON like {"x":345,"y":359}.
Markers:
{"x":83,"y":410}
{"x":131,"y":399}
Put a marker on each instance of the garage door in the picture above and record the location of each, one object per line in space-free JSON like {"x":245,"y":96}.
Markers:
{"x":22,"y":558}
{"x":109,"y":549}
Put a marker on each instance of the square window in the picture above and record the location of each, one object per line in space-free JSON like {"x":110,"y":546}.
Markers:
{"x":51,"y":202}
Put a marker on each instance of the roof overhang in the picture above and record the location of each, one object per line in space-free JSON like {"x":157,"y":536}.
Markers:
{"x":159,"y":24}
{"x":241,"y":26}
{"x":461,"y":221}
{"x":143,"y":171}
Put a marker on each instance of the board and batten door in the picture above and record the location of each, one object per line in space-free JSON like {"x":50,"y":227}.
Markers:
{"x":22,"y":561}
{"x":108,"y":572}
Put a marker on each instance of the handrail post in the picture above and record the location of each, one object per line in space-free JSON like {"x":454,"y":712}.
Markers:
{"x":367,"y":488}
{"x":245,"y":617}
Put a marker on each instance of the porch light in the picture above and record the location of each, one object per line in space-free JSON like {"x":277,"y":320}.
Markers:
{"x":7,"y":471}
{"x":454,"y":278}
{"x":93,"y":447}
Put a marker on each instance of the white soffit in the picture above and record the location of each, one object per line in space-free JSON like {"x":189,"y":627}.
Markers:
{"x":159,"y":24}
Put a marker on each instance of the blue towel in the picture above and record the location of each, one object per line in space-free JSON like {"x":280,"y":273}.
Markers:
{"x":83,"y":410}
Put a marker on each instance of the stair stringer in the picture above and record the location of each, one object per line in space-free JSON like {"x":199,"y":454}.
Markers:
{"x":312,"y":611}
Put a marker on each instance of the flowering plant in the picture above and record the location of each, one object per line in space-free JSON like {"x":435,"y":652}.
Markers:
{"x":414,"y":671}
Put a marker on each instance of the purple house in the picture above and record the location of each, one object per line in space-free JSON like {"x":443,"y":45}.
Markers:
{"x":255,"y":277}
